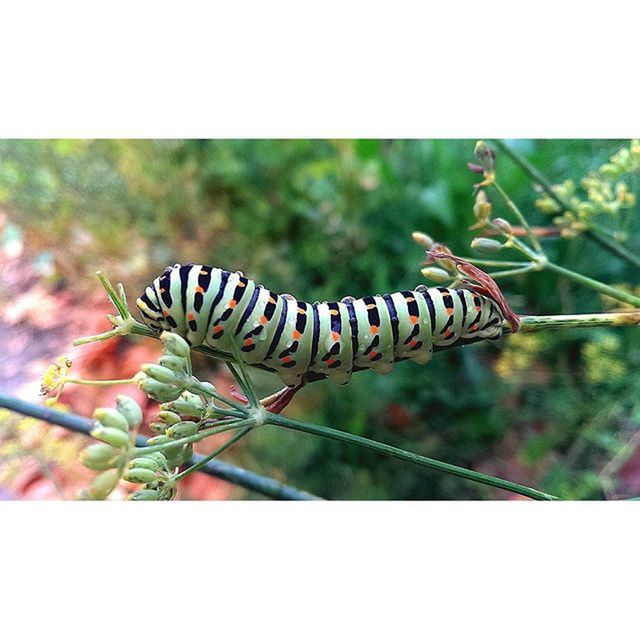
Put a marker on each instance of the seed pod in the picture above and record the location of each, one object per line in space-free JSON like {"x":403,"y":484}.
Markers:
{"x":111,"y":418}
{"x":422,"y":239}
{"x":159,"y":390}
{"x":103,"y":485}
{"x":111,"y":436}
{"x":130,"y":409}
{"x":435,"y":274}
{"x":188,"y":403}
{"x":504,"y":226}
{"x":99,"y":457}
{"x":179,"y":457}
{"x":175,"y":363}
{"x":207,"y":387}
{"x":143,"y":463}
{"x":169,"y":417}
{"x":160,"y":373}
{"x":158,"y":440}
{"x":140,"y":476}
{"x":182,"y":429}
{"x":158,"y":457}
{"x":145,"y":494}
{"x":174,"y":344}
{"x":158,"y":427}
{"x":486,"y":245}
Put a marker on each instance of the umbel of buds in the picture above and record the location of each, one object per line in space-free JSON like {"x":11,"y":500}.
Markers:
{"x":114,"y":428}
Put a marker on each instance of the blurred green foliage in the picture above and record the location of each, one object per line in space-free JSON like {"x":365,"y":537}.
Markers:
{"x":322,"y":219}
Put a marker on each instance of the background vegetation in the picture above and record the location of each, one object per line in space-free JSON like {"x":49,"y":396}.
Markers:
{"x":322,"y":219}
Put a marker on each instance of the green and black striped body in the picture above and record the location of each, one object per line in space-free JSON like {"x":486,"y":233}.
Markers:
{"x":302,"y":342}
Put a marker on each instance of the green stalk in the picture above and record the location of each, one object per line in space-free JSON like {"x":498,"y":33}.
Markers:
{"x":523,"y":221}
{"x":512,"y":272}
{"x":533,"y":173}
{"x":407,"y":456}
{"x":612,"y":292}
{"x":213,"y":454}
{"x":496,"y":263}
{"x":196,"y":437}
{"x":533,"y":324}
{"x":613,"y":247}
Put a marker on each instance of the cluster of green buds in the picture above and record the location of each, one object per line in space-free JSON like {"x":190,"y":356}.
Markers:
{"x":606,"y":194}
{"x":169,"y":378}
{"x":154,"y":471}
{"x":116,"y":430}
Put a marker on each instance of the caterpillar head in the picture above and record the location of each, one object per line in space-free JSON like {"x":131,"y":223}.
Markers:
{"x":484,"y":284}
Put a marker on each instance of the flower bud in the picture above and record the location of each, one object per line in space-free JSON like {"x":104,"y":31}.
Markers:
{"x":140,"y":475}
{"x":175,"y":363}
{"x":182,"y":429}
{"x":175,"y":344}
{"x":130,"y":409}
{"x":180,"y":456}
{"x":486,"y":245}
{"x":103,"y":485}
{"x":482,"y":209}
{"x":161,"y":374}
{"x":422,"y":239}
{"x":158,"y":428}
{"x":159,"y":391}
{"x":207,"y":388}
{"x":158,"y":457}
{"x":188,"y":403}
{"x":144,"y":463}
{"x":145,"y":494}
{"x":111,"y":418}
{"x":435,"y":274}
{"x":486,"y":157}
{"x":99,"y":457}
{"x":503,"y":225}
{"x":169,"y":417}
{"x":114,"y":437}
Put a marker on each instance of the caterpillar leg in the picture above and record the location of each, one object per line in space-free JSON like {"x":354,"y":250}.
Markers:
{"x":274,"y":403}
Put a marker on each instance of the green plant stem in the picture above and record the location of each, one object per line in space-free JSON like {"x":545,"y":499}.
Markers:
{"x":612,"y":292}
{"x":407,"y":456}
{"x":496,"y":263}
{"x":533,"y":324}
{"x":533,"y":173}
{"x":512,"y":272}
{"x":213,"y":454}
{"x":613,"y":247}
{"x":196,"y":437}
{"x":523,"y":221}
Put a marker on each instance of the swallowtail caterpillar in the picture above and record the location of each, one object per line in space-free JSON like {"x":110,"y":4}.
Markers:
{"x":303,"y":342}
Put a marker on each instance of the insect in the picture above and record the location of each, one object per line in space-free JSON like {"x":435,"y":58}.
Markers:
{"x":303,"y":342}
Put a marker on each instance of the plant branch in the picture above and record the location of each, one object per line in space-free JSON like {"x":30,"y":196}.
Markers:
{"x":202,"y":462}
{"x":216,"y":468}
{"x":407,"y":456}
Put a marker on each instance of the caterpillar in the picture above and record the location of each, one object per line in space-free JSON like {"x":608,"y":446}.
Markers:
{"x":303,"y":342}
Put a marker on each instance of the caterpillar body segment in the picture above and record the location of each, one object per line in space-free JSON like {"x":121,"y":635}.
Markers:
{"x":302,"y":342}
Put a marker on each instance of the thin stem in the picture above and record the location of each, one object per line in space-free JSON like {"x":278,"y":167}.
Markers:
{"x":612,"y":292}
{"x":512,"y":272}
{"x":407,"y":456}
{"x":99,"y":383}
{"x":213,"y":454}
{"x":240,"y":373}
{"x":196,"y":437}
{"x":614,"y":247}
{"x":523,"y":221}
{"x":496,"y":263}
{"x":533,"y":173}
